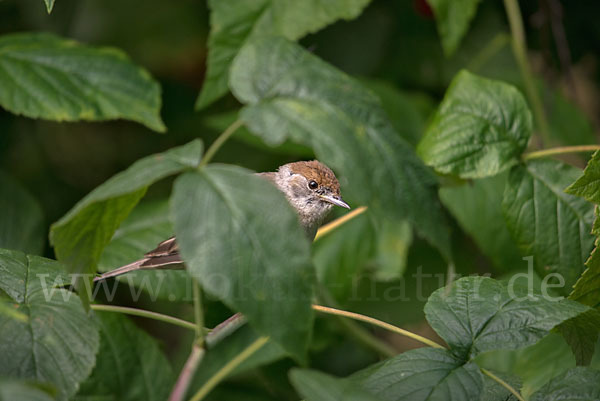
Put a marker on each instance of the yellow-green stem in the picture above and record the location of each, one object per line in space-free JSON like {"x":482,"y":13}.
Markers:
{"x":519,"y":46}
{"x":327,"y":228}
{"x":228,"y":368}
{"x":560,"y":151}
{"x":198,"y":313}
{"x":503,"y":384}
{"x":147,"y":314}
{"x":216,"y":145}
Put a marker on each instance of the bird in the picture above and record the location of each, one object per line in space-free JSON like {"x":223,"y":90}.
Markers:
{"x":310,"y":187}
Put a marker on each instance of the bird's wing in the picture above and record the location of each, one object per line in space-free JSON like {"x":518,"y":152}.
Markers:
{"x":164,"y":256}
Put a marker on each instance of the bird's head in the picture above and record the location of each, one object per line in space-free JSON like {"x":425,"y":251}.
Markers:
{"x":312,"y":189}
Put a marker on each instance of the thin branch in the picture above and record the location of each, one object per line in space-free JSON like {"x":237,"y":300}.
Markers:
{"x":327,"y":228}
{"x":216,"y":145}
{"x":145,"y":313}
{"x":198,"y":312}
{"x":560,"y":151}
{"x":378,"y":323}
{"x":503,"y":384}
{"x":224,"y":329}
{"x":187,"y":373}
{"x":228,"y":368}
{"x":519,"y":45}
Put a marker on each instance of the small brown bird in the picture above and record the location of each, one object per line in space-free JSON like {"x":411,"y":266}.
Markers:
{"x":310,"y":187}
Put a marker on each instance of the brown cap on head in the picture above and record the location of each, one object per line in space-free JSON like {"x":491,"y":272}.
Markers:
{"x":317,"y":171}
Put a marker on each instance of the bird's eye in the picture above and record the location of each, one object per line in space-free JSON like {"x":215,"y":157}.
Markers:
{"x":313,"y":184}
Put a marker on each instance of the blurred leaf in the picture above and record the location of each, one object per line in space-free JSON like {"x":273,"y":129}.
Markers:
{"x":242,"y":241}
{"x":55,"y":341}
{"x":581,"y":333}
{"x":422,"y":374}
{"x":568,"y":123}
{"x":234,"y":22}
{"x":546,"y":223}
{"x":535,"y":365}
{"x":12,"y":390}
{"x":290,"y":92}
{"x":130,"y":365}
{"x":393,"y":242}
{"x":595,"y":362}
{"x":80,"y":236}
{"x":404,"y":114}
{"x":22,"y":224}
{"x":220,"y":122}
{"x":587,"y":185}
{"x":219,"y":355}
{"x":578,"y":383}
{"x":342,"y":254}
{"x":477,"y":206}
{"x":480,"y":314}
{"x":317,"y":386}
{"x":146,"y":226}
{"x":49,"y":5}
{"x":480,"y":129}
{"x":45,"y":76}
{"x":453,"y":18}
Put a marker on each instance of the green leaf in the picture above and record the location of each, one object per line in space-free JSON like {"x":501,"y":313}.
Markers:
{"x":217,"y":356}
{"x":242,"y":241}
{"x":480,"y":129}
{"x":130,"y":364}
{"x":45,"y":76}
{"x":394,"y":239}
{"x":81,"y":235}
{"x":318,"y":386}
{"x":453,"y":18}
{"x":49,"y":5}
{"x":146,"y":226}
{"x":546,"y":223}
{"x":477,"y":206}
{"x":422,"y":374}
{"x":588,"y":185}
{"x":480,"y":314}
{"x":534,"y":365}
{"x":290,"y":92}
{"x":578,"y":383}
{"x":48,"y":337}
{"x":581,"y":333}
{"x":11,"y":390}
{"x":22,"y":224}
{"x":234,"y":22}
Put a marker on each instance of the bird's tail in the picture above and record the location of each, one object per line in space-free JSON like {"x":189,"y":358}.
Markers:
{"x":137,"y":265}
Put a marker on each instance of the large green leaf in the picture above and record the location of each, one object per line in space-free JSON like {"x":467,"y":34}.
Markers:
{"x":534,"y":365}
{"x":317,"y":386}
{"x":581,"y":333}
{"x":290,"y":92}
{"x":480,"y":314}
{"x":22,"y":224}
{"x":453,"y":18}
{"x":546,"y":223}
{"x":588,"y":184}
{"x":45,"y":76}
{"x":130,"y":364}
{"x":146,"y":226}
{"x":81,"y":235}
{"x":423,"y":374}
{"x":45,"y":334}
{"x":11,"y":390}
{"x":576,"y":384}
{"x":234,"y":22}
{"x":242,"y":241}
{"x":477,"y":206}
{"x":480,"y":129}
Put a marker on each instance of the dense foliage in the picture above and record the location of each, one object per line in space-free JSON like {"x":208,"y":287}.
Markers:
{"x":469,"y":258}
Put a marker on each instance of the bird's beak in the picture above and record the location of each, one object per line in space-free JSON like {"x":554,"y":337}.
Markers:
{"x":335,"y":200}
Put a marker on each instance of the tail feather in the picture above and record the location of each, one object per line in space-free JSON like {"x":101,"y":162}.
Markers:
{"x":137,"y":265}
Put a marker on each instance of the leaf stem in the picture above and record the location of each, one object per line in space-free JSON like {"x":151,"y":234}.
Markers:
{"x":559,"y":151}
{"x":228,"y":368}
{"x":378,"y":323}
{"x":147,"y":314}
{"x":221,"y":139}
{"x":187,"y":373}
{"x":327,"y":228}
{"x":503,"y":384}
{"x":519,"y":46}
{"x":198,"y":313}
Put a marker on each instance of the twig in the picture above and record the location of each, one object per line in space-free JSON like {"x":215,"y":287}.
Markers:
{"x":216,"y":145}
{"x":147,"y":314}
{"x":503,"y":384}
{"x":187,"y":373}
{"x":559,"y":151}
{"x":327,"y":228}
